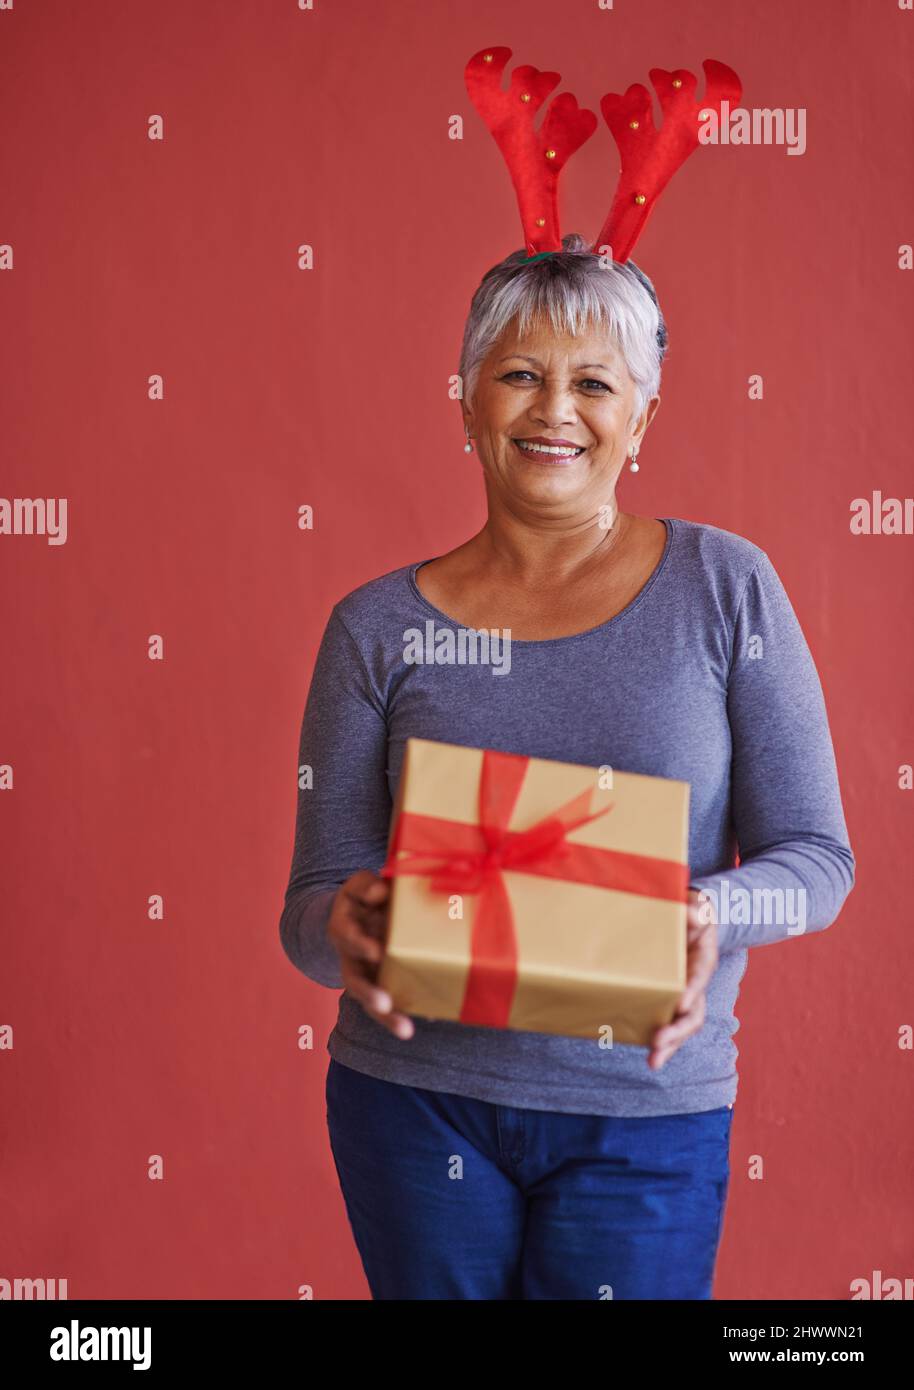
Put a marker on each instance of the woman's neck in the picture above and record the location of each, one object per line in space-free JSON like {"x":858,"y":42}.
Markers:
{"x":545,"y":554}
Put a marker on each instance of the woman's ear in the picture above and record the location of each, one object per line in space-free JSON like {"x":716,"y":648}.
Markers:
{"x":650,"y":410}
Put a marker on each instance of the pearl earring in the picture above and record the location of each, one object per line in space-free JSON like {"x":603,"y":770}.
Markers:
{"x":468,"y":447}
{"x":634,"y":465}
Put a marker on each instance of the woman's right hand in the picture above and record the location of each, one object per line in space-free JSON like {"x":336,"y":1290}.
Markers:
{"x":358,"y":930}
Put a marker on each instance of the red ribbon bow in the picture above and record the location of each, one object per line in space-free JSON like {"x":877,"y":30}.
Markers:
{"x":461,"y":858}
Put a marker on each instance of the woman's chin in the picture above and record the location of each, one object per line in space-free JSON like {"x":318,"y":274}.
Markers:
{"x":546,"y":491}
{"x":548,"y":480}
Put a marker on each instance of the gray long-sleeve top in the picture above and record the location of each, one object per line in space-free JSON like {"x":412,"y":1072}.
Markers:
{"x":705,"y":676}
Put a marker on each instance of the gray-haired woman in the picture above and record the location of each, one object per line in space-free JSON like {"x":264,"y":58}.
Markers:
{"x":485,"y":1163}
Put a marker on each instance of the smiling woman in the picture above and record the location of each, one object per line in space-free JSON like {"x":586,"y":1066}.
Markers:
{"x":561,"y":362}
{"x":630,"y":647}
{"x":634,"y":645}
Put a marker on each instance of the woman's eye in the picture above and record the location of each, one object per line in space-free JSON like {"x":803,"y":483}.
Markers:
{"x":590,"y":384}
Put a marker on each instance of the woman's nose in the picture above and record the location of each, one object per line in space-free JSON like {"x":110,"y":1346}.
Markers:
{"x":554,"y":405}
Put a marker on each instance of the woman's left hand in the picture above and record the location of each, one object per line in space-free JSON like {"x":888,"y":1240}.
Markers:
{"x":701,"y":962}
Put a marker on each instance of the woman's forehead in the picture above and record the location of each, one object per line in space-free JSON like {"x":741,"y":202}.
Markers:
{"x":591,"y":346}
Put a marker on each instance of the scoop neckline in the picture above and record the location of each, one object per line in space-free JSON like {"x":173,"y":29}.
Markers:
{"x":669,"y":523}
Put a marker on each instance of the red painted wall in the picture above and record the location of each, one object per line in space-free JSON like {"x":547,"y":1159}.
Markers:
{"x":329,"y":387}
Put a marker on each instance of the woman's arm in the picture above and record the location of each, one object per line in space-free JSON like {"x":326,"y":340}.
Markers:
{"x":343,"y":817}
{"x":796,"y":864}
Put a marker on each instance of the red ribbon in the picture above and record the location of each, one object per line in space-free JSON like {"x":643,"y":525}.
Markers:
{"x":461,"y":858}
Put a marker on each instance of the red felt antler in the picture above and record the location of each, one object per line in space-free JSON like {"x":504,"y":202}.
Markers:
{"x":650,"y":156}
{"x":534,"y":158}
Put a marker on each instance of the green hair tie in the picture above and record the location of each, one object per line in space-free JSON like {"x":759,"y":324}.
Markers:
{"x":539,"y":256}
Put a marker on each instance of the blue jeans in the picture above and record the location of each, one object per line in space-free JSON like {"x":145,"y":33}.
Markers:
{"x":452,"y":1198}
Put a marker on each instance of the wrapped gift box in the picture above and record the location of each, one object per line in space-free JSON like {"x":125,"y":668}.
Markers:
{"x":526,"y":893}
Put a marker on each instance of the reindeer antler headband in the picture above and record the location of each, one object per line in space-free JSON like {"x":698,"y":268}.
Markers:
{"x":535,"y":158}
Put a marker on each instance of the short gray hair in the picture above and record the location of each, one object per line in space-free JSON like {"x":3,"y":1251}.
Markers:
{"x":572,"y":290}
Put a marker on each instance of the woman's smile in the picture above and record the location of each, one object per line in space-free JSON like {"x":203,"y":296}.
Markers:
{"x":548,"y":451}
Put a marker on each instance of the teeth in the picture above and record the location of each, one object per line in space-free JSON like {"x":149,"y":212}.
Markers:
{"x":560,"y":450}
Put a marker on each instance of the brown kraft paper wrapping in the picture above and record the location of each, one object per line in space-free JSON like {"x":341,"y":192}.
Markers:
{"x":588,"y":958}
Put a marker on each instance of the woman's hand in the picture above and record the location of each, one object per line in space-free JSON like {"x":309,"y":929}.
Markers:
{"x":358,"y":930}
{"x":701,"y":962}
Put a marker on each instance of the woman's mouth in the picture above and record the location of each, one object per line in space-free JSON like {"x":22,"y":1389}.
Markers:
{"x":542,"y":452}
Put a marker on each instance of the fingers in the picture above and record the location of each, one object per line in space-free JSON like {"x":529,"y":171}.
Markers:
{"x":367,"y":887}
{"x":700,"y":909}
{"x":359,"y":937}
{"x":358,"y":929}
{"x":366,"y":897}
{"x":701,"y":963}
{"x":376,"y":1002}
{"x":692,"y":1008}
{"x":358,"y":923}
{"x":702,"y":957}
{"x":671,"y":1036}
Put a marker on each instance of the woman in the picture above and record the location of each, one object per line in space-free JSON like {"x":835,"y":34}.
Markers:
{"x":480,"y":1163}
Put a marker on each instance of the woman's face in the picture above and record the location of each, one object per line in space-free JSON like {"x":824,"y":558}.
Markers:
{"x":561,"y":393}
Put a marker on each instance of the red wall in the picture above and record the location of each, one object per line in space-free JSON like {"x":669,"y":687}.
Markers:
{"x":329,"y":387}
